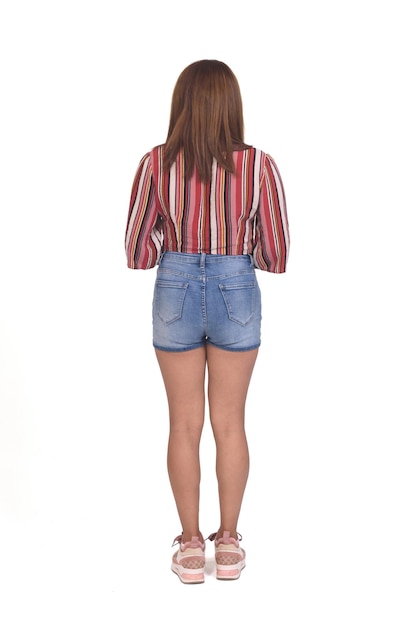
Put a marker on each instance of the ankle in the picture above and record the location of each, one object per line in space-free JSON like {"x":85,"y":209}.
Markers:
{"x":185,"y":537}
{"x":232,"y":533}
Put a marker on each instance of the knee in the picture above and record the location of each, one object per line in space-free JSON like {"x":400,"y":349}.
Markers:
{"x":187,"y":428}
{"x":224,"y":429}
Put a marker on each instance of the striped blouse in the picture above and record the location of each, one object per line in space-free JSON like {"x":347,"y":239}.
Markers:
{"x":241,"y":213}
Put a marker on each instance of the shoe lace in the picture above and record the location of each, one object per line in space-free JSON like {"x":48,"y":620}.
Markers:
{"x":176,"y":541}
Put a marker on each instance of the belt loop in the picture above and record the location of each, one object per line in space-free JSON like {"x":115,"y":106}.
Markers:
{"x":251,"y":260}
{"x":202,"y":259}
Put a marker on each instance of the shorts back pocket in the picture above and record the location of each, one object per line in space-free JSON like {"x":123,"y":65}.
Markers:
{"x":169,"y":299}
{"x":239,"y":299}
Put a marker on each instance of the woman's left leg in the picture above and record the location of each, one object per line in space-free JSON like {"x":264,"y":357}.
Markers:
{"x":184,"y":375}
{"x":229,"y":375}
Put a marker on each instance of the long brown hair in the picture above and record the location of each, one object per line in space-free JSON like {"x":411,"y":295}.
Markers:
{"x":206,"y":118}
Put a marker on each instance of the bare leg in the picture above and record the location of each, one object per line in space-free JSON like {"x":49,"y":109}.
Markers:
{"x":229,"y":375}
{"x":183,"y":374}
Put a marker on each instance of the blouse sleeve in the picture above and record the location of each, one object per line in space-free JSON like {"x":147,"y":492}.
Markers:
{"x":144,"y":235}
{"x":272,"y":236}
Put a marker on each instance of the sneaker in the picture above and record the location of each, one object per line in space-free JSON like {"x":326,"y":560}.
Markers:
{"x":189,"y":560}
{"x":230,"y":558}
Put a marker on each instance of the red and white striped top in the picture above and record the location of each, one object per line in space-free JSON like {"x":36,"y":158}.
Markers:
{"x":241,"y":213}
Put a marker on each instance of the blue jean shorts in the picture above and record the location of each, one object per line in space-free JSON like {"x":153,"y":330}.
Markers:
{"x":206,"y":298}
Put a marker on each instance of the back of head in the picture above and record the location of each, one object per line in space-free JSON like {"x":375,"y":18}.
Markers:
{"x":206,"y":119}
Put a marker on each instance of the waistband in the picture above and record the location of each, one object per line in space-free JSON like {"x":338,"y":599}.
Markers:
{"x":203,"y":259}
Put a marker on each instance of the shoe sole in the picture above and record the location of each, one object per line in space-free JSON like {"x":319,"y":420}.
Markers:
{"x":188,"y":576}
{"x":230,"y":572}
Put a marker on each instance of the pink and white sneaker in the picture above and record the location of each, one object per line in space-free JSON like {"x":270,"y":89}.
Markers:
{"x":230,"y":557}
{"x":189,"y":560}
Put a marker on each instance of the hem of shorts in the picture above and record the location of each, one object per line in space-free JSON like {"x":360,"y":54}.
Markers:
{"x":202,"y":345}
{"x":254,"y":347}
{"x":186,"y":349}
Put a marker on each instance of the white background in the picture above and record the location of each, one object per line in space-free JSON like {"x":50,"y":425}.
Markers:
{"x":86,"y":513}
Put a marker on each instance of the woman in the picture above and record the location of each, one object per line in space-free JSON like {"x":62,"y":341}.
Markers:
{"x":207,"y":209}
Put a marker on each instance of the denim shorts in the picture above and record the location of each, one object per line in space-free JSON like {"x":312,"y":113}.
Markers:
{"x":206,"y":298}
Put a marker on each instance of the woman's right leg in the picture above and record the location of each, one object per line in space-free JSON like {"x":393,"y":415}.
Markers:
{"x":183,"y":374}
